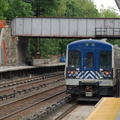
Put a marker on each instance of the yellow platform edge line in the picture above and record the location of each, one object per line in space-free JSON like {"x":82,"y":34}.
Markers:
{"x":105,"y":109}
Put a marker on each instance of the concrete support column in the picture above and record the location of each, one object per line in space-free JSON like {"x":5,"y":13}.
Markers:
{"x":22,"y":50}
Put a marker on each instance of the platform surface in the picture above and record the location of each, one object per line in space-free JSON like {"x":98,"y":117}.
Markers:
{"x":108,"y":108}
{"x":12,"y":68}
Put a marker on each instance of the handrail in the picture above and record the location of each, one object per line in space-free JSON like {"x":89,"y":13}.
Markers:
{"x":107,"y":31}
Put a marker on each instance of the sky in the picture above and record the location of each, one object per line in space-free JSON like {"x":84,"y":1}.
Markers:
{"x":106,"y":3}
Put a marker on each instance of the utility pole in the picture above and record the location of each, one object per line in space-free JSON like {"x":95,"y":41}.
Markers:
{"x":38,"y":48}
{"x":36,"y":9}
{"x":35,"y":6}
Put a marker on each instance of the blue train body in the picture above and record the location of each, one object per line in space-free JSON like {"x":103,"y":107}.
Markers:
{"x":91,"y":69}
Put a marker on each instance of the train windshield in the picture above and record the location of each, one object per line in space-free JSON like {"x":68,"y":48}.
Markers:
{"x":89,"y":60}
{"x":105,"y":59}
{"x":74,"y":58}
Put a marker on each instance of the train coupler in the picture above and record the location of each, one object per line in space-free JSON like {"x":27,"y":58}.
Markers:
{"x":88,"y":91}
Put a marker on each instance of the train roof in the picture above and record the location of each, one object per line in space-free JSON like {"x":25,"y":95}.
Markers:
{"x":90,"y":41}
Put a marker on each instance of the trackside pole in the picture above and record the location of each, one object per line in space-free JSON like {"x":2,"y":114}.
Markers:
{"x":118,"y":82}
{"x":118,"y":87}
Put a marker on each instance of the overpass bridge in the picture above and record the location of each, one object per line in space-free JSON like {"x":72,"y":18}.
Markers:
{"x":16,"y":37}
{"x":66,"y":27}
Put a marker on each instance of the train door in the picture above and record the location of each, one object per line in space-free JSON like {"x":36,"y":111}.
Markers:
{"x":89,"y":66}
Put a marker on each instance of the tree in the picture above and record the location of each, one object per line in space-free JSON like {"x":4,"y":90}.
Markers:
{"x":109,"y":13}
{"x":63,"y":44}
{"x":114,"y":42}
{"x":3,"y":8}
{"x":47,"y":7}
{"x":60,"y":9}
{"x":18,"y":8}
{"x":81,"y":8}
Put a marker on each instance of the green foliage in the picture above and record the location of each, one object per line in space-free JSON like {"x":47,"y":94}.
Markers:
{"x":49,"y":47}
{"x":109,"y":13}
{"x":81,"y":8}
{"x":18,"y":8}
{"x":63,"y":44}
{"x":48,"y":7}
{"x":60,"y":9}
{"x":114,"y":42}
{"x":3,"y":8}
{"x":32,"y":47}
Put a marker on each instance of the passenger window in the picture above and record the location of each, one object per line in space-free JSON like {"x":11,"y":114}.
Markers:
{"x":74,"y":58}
{"x":105,"y":59}
{"x":89,"y":60}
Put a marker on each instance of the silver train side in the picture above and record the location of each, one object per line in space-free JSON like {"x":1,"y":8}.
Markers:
{"x":92,"y":69}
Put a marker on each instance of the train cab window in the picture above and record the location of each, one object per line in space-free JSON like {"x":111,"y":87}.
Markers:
{"x":105,"y":59}
{"x":89,"y":60}
{"x":74,"y":58}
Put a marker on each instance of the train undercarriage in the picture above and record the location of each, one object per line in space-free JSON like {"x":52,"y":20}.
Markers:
{"x":90,"y":92}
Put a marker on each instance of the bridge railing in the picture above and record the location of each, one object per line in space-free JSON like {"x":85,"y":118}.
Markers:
{"x":105,"y":32}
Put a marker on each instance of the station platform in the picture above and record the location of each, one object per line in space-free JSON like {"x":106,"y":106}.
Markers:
{"x":15,"y":72}
{"x":21,"y":67}
{"x":52,"y":64}
{"x":108,"y":108}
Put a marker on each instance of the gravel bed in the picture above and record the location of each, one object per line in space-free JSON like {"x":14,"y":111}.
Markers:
{"x":80,"y":113}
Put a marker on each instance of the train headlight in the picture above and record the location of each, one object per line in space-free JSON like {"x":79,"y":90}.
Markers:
{"x":72,"y":72}
{"x":106,"y":73}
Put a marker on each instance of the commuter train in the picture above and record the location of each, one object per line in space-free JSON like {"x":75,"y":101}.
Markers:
{"x":92,"y":69}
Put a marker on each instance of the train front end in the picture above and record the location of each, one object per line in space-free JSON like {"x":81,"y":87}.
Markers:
{"x":89,"y":72}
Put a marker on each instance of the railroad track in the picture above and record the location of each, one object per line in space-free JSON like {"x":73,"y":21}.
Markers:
{"x":67,"y":112}
{"x":30,"y":86}
{"x":38,"y":104}
{"x":27,"y":106}
{"x":71,"y":110}
{"x":29,"y":79}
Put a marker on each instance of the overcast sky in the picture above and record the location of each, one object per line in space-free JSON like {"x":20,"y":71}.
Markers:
{"x":106,"y":3}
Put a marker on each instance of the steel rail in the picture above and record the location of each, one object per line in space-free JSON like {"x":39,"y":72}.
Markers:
{"x":67,"y":112}
{"x":30,"y":106}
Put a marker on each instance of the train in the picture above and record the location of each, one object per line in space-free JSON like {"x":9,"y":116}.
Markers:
{"x":92,"y":69}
